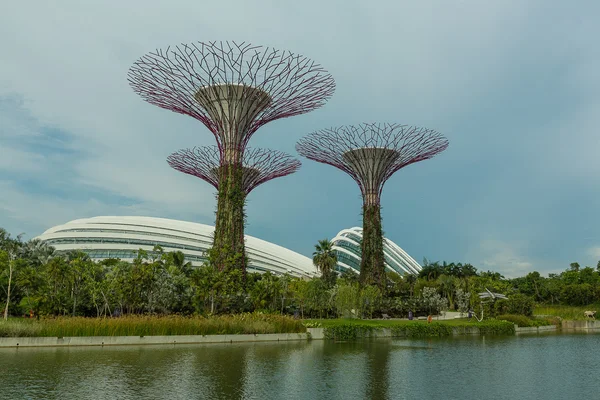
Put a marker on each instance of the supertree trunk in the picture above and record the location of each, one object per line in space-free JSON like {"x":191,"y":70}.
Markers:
{"x":372,"y":267}
{"x":229,"y":249}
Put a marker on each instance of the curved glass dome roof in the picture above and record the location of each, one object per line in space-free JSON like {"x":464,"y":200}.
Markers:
{"x":122,"y":237}
{"x":346,"y":244}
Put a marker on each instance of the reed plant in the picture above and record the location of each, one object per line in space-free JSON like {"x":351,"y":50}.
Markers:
{"x":254,"y":323}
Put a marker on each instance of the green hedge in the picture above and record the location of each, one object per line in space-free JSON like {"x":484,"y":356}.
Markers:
{"x":523,"y":321}
{"x":415,"y":329}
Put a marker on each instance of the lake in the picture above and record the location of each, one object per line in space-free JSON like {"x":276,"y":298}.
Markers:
{"x":549,"y":366}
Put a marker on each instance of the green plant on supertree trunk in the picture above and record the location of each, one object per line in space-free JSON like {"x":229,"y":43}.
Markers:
{"x":229,"y":249}
{"x":372,"y":268}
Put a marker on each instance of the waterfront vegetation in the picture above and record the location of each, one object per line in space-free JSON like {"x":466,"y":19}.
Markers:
{"x":134,"y":325}
{"x":565,"y":311}
{"x":350,"y":329}
{"x":35,"y":281}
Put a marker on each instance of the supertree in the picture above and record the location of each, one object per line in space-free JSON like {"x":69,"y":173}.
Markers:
{"x":370,"y":154}
{"x":258,"y":165}
{"x":233,"y":89}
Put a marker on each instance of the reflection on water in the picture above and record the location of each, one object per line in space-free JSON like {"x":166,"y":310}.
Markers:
{"x":548,"y":366}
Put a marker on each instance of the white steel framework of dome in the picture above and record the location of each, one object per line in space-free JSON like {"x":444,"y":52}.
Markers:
{"x":123,"y":237}
{"x":346,"y":245}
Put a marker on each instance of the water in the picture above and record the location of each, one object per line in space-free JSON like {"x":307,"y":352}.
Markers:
{"x":523,"y":367}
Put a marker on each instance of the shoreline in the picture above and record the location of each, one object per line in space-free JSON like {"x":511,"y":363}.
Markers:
{"x":321,"y":333}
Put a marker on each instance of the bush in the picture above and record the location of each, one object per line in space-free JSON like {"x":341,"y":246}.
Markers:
{"x":350,"y":330}
{"x":519,"y":320}
{"x":419,"y":329}
{"x":516,"y":304}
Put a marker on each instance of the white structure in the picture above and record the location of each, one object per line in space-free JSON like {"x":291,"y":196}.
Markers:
{"x":346,"y":244}
{"x":122,"y":237}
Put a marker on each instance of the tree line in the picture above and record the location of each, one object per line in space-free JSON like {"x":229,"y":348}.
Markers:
{"x":35,"y":279}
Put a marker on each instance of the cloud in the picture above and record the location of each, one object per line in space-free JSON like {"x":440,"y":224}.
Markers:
{"x":513,"y":85}
{"x":506,"y":258}
{"x":594,"y":252}
{"x":49,"y":176}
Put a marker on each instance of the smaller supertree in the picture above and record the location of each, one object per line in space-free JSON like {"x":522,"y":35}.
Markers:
{"x":370,"y":154}
{"x":258,"y":165}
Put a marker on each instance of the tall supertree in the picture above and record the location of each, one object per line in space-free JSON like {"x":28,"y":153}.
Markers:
{"x":370,"y":154}
{"x":233,"y":89}
{"x":258,"y":165}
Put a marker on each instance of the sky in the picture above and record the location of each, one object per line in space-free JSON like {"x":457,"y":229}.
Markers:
{"x":513,"y":85}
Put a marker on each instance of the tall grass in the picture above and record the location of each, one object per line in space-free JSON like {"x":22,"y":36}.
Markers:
{"x":351,"y":329}
{"x":566,"y":312}
{"x":151,"y":326}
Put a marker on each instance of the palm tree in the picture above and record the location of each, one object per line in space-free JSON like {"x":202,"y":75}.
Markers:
{"x":325,"y":259}
{"x":37,"y":252}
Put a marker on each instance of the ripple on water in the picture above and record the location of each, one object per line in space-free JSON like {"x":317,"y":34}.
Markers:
{"x":545,"y":366}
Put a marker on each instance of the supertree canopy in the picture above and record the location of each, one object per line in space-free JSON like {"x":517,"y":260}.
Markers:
{"x":258,"y":165}
{"x":370,"y":154}
{"x":233,"y":89}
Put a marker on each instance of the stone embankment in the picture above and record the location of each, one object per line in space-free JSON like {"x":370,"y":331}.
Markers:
{"x":143,"y":340}
{"x":581,"y":326}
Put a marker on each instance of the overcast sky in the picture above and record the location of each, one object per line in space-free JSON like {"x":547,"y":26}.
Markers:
{"x":514,"y":85}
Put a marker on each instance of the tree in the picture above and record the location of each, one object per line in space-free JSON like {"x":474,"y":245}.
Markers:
{"x":325,"y":259}
{"x":412,"y":281}
{"x":10,"y":249}
{"x":299,"y":289}
{"x":462,"y":300}
{"x":574,"y":266}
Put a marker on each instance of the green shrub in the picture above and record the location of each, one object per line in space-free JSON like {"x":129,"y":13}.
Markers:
{"x":350,"y":330}
{"x":516,"y":304}
{"x":496,"y":327}
{"x":418,"y":329}
{"x":519,"y":320}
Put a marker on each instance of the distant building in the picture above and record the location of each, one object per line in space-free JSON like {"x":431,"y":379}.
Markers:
{"x":346,"y":245}
{"x":122,"y":237}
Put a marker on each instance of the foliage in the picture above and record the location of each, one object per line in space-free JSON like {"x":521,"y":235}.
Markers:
{"x":462,"y":300}
{"x":433,"y":300}
{"x":516,"y":304}
{"x":33,"y":278}
{"x":523,"y":321}
{"x":344,"y":329}
{"x":565,"y":312}
{"x":372,"y":269}
{"x":229,"y":252}
{"x":325,"y":259}
{"x":254,"y":323}
{"x":347,"y":300}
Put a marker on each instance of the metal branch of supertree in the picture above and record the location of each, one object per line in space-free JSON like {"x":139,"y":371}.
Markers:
{"x":259,"y":165}
{"x":371,"y":153}
{"x":232,"y":88}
